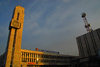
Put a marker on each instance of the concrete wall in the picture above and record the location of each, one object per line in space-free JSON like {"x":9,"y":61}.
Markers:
{"x":89,"y":43}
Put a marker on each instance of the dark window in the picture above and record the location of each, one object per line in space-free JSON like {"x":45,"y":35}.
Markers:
{"x":18,"y":16}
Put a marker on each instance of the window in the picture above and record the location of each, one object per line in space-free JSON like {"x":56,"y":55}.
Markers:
{"x":18,"y":16}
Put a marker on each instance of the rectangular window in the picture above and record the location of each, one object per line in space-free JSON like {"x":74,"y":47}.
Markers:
{"x":18,"y":16}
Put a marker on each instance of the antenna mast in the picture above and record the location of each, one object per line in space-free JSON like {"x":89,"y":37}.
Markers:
{"x":87,"y":25}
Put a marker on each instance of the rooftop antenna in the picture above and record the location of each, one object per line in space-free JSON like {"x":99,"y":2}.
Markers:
{"x":87,"y":25}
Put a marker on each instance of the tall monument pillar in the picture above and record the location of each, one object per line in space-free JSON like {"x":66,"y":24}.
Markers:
{"x":13,"y":51}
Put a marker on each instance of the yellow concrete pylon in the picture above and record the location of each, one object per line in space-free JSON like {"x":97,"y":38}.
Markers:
{"x":13,"y":56}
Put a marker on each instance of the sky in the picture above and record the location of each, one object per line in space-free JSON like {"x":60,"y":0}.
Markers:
{"x":50,"y":24}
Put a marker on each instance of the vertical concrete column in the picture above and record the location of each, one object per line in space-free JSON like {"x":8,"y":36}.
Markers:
{"x":13,"y":56}
{"x":29,"y":57}
{"x":9,"y":48}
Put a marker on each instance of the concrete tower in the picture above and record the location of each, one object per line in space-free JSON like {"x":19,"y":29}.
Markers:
{"x":13,"y":51}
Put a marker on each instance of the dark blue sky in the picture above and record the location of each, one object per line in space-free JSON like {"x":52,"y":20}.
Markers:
{"x":50,"y":24}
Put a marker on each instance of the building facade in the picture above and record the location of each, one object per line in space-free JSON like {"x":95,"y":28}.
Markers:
{"x":89,"y":43}
{"x":31,"y":58}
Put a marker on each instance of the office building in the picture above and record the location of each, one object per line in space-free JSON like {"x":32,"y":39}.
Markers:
{"x":89,"y":43}
{"x":31,"y":58}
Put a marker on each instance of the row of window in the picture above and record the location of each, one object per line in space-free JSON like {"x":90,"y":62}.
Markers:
{"x":26,"y":54}
{"x":34,"y":66}
{"x":28,"y":60}
{"x":44,"y":60}
{"x":54,"y":61}
{"x":34,"y":55}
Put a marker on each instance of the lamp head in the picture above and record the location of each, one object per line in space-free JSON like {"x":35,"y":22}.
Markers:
{"x":83,"y":15}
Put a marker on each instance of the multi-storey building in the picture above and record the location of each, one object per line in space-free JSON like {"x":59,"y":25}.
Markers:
{"x":31,"y":58}
{"x":89,"y":43}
